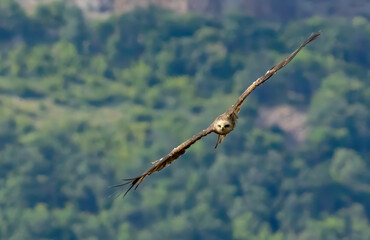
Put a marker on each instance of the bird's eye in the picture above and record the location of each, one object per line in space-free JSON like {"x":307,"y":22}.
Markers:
{"x":227,"y":125}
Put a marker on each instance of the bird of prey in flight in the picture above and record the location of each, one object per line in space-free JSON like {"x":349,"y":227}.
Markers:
{"x":222,"y":125}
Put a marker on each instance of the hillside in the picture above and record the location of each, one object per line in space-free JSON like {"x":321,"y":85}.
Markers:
{"x":84,"y":104}
{"x":264,"y":9}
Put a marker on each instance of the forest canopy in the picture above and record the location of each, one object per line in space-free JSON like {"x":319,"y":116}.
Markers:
{"x":84,"y":104}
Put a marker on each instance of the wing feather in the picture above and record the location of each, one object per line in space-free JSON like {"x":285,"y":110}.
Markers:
{"x":165,"y":161}
{"x":236,"y":107}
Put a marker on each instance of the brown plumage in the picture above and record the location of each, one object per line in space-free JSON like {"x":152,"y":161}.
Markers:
{"x":222,"y":125}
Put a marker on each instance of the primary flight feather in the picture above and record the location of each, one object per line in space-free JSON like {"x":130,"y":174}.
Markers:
{"x":222,"y":125}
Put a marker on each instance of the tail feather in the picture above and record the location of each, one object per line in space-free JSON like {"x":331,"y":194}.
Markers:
{"x":219,"y":139}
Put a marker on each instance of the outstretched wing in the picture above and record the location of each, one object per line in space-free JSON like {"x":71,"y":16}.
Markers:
{"x":236,"y":107}
{"x":165,"y":161}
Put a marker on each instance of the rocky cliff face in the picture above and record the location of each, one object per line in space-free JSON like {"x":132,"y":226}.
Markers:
{"x":95,"y":5}
{"x":181,"y":6}
{"x":120,"y":6}
{"x":127,"y":5}
{"x":86,"y":5}
{"x":268,"y":9}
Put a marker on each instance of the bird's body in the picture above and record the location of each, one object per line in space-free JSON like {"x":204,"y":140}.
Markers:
{"x":222,"y":125}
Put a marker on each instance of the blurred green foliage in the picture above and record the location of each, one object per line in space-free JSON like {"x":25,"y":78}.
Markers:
{"x":83,"y":104}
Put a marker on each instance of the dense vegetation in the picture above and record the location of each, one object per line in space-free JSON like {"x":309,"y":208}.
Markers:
{"x":83,"y":105}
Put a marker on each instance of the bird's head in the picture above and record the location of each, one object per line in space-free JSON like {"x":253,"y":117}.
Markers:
{"x":223,"y":126}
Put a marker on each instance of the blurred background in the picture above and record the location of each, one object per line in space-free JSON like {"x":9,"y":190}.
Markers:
{"x":93,"y":91}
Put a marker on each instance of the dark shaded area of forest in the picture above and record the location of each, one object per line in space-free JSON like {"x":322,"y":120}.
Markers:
{"x":85,"y":104}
